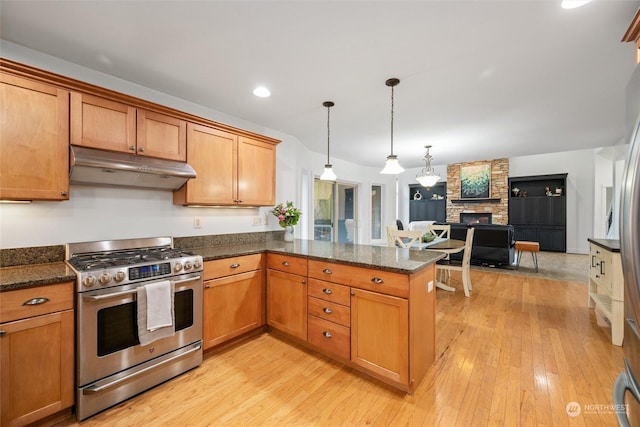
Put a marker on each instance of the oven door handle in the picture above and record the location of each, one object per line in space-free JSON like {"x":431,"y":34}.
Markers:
{"x":98,"y":389}
{"x":130,"y":291}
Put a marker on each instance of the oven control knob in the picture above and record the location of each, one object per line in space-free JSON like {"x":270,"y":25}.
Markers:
{"x":119,"y":276}
{"x":197,"y":263}
{"x":104,"y":278}
{"x":188,"y":265}
{"x":178,"y":266}
{"x":89,"y":281}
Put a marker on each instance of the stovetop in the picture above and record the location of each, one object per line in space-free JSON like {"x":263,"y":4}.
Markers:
{"x":110,"y":263}
{"x":97,"y":261}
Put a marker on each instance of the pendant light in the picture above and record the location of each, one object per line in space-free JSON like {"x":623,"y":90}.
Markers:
{"x":392,"y":167}
{"x":328,"y":174}
{"x":428,"y":177}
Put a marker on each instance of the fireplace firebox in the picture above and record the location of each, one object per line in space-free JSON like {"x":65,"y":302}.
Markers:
{"x":475,"y":217}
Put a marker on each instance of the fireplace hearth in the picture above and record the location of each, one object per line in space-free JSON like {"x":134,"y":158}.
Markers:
{"x":475,"y":217}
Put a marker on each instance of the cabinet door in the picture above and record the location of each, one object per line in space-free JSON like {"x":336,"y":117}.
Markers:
{"x":34,"y":140}
{"x":287,"y":303}
{"x":213,"y":154}
{"x":161,"y":136}
{"x":36,"y":367}
{"x":516,"y":210}
{"x":380,"y":334}
{"x":232,"y":306}
{"x":256,"y":172}
{"x":100,"y":123}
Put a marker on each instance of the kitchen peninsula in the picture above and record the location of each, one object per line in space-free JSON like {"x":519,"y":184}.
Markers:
{"x":371,"y":308}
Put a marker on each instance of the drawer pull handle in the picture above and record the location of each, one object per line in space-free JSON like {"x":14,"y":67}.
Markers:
{"x":327,"y":310}
{"x":377,"y":280}
{"x":602,"y":263}
{"x":327,"y":291}
{"x":234,"y":265}
{"x":326,"y":334}
{"x":285,"y":263}
{"x":36,"y":301}
{"x":2,"y":333}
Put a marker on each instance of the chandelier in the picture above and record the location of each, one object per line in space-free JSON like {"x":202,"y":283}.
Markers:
{"x":428,"y":176}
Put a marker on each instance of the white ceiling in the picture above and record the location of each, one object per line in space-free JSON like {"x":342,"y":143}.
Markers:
{"x":478,"y":79}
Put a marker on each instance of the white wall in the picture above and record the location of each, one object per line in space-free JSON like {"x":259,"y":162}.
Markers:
{"x":95,"y":213}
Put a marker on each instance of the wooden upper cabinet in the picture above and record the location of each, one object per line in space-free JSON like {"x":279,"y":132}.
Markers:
{"x":231,"y":170}
{"x":161,"y":136}
{"x":256,"y":172}
{"x":34,"y":140}
{"x":110,"y":125}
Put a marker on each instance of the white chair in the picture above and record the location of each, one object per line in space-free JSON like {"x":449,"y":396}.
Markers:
{"x":404,"y":239}
{"x":440,"y":230}
{"x":464,"y":266}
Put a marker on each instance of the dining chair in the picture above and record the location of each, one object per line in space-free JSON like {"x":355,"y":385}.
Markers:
{"x":404,"y":239}
{"x":463,"y":266}
{"x":441,"y":230}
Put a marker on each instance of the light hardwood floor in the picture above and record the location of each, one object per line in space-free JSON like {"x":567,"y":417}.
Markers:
{"x":514,"y":354}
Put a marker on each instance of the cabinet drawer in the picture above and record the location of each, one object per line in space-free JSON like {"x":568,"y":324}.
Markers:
{"x":373,"y":280}
{"x":330,"y":337}
{"x":58,"y":297}
{"x":329,"y":292}
{"x":329,"y":311}
{"x":287,"y":263}
{"x":228,"y":266}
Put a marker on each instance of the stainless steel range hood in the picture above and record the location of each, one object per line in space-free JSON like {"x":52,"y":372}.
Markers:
{"x":98,"y":167}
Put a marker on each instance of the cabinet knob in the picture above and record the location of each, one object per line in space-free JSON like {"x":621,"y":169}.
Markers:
{"x":327,"y":310}
{"x":132,"y":148}
{"x":377,"y":280}
{"x":327,"y":271}
{"x":327,"y":334}
{"x":141,"y":150}
{"x":234,"y":265}
{"x":207,"y":286}
{"x":64,"y":193}
{"x":285,"y":263}
{"x":327,"y":291}
{"x":304,"y":282}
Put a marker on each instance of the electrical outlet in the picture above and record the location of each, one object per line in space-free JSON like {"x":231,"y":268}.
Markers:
{"x":197,"y":223}
{"x":430,"y":286}
{"x":257,"y":220}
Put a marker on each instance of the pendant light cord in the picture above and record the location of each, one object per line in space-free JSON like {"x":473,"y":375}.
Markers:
{"x":328,"y":132}
{"x":392,"y":120}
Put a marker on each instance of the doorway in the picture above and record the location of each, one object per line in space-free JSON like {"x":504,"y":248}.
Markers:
{"x":334,"y":209}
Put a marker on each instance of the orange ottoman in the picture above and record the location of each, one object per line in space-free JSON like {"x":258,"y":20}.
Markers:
{"x":524,"y":246}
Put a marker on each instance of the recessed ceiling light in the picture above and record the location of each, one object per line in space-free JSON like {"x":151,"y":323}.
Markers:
{"x":572,"y":4}
{"x":262,"y":92}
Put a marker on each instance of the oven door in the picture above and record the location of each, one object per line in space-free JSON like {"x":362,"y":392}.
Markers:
{"x":107,"y":331}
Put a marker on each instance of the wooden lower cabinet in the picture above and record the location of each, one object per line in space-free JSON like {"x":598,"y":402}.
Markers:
{"x":36,"y":355}
{"x":379,"y":334}
{"x":287,"y":303}
{"x":232,"y":298}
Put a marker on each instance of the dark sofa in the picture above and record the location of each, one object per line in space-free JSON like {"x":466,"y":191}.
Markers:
{"x":493,"y":244}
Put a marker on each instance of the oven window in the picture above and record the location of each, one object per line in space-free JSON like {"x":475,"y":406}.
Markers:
{"x":117,"y":325}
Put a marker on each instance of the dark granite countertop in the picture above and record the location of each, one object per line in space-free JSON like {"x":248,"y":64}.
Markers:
{"x":27,"y":276}
{"x":376,"y":257}
{"x":608,"y":244}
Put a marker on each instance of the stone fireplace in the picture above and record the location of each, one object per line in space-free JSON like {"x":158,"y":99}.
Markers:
{"x":496,"y":206}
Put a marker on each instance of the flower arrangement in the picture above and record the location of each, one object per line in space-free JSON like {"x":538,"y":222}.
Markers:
{"x":287,"y":214}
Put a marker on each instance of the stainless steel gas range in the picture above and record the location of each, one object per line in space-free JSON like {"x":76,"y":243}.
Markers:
{"x":111,"y":363}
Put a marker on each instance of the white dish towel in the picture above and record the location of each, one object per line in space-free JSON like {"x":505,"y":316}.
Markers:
{"x":155,"y":311}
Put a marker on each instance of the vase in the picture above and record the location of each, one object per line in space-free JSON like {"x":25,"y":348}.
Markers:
{"x":288,"y":233}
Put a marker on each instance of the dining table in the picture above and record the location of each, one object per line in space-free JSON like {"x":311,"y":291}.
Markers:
{"x":448,"y":246}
